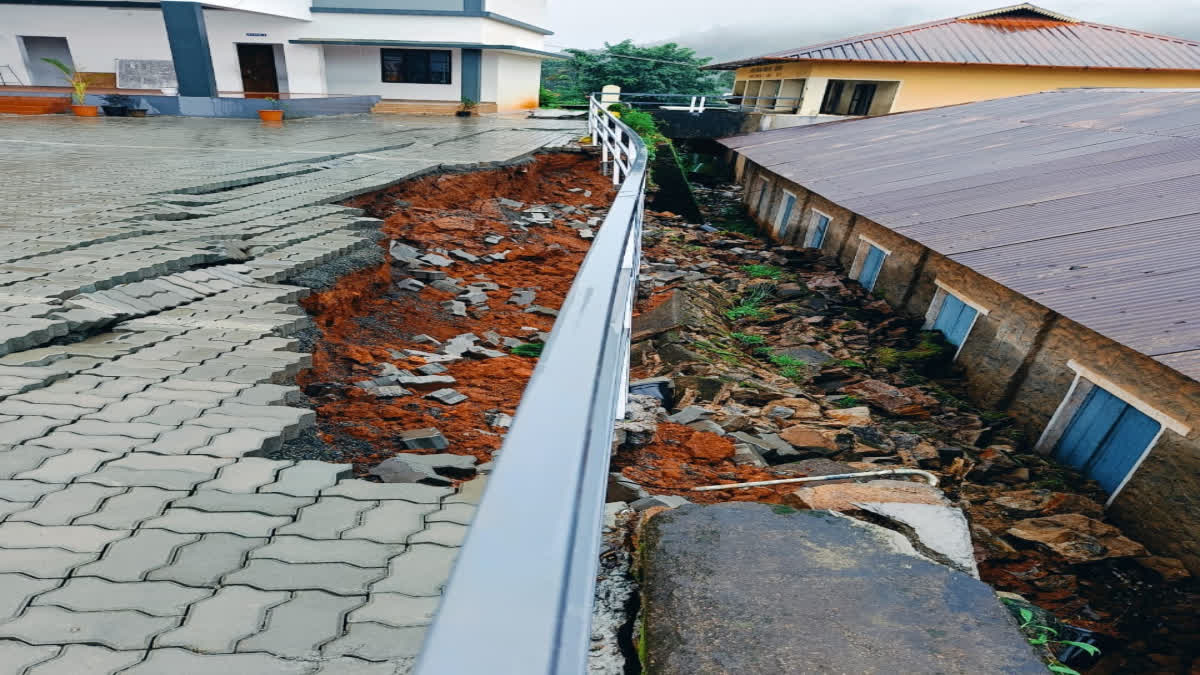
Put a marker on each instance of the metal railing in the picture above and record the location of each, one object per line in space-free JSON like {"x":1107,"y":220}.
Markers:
{"x":12,"y":74}
{"x":520,"y":597}
{"x":697,"y":103}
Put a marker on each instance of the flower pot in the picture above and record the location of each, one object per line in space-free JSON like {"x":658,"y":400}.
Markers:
{"x":85,"y":110}
{"x":115,"y":110}
{"x":271,"y":115}
{"x":462,"y":113}
{"x":137,"y":112}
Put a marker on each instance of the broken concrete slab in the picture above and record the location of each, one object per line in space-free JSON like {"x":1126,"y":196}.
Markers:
{"x":845,"y":497}
{"x":522,"y":298}
{"x":410,"y":285}
{"x":942,"y":531}
{"x":422,"y":439}
{"x":669,"y":501}
{"x":707,"y":604}
{"x":447,"y":396}
{"x":429,"y":469}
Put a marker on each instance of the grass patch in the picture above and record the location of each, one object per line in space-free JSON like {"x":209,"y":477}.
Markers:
{"x":532,"y":350}
{"x":851,"y":363}
{"x":750,"y":306}
{"x":848,"y":402}
{"x":789,"y":366}
{"x":725,"y":354}
{"x":763,"y":271}
{"x":748,"y":340}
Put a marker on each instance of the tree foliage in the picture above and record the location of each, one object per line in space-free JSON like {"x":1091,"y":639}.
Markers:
{"x":666,"y":68}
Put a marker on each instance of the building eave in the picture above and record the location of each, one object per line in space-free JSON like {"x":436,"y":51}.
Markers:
{"x":416,"y":44}
{"x":479,"y":14}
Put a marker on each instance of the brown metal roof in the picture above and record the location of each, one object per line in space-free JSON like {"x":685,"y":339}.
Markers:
{"x":1021,"y":35}
{"x":1084,"y":200}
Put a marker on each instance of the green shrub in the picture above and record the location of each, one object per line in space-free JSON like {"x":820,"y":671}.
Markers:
{"x":762,"y":271}
{"x":748,"y":339}
{"x":847,"y":402}
{"x":533,"y":349}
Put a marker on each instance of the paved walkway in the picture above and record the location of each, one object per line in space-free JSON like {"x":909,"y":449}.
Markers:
{"x":139,"y":533}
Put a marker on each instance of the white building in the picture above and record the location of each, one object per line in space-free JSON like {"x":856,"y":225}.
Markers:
{"x":409,"y":51}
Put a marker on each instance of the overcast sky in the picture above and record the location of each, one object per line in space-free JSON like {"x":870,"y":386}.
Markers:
{"x":738,"y":28}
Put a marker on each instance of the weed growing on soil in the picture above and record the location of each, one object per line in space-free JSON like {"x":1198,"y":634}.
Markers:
{"x":748,"y":339}
{"x":847,"y":402}
{"x":533,"y":350}
{"x":789,"y":366}
{"x":851,"y":363}
{"x":763,"y":271}
{"x":1042,"y":637}
{"x":750,"y":306}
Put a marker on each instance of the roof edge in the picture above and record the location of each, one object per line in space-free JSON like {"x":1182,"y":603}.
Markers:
{"x":1024,"y":6}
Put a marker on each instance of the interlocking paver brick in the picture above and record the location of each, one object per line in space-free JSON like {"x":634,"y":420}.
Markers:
{"x":376,"y":642}
{"x":298,"y":627}
{"x":216,"y":624}
{"x":95,"y":427}
{"x":61,"y":507}
{"x":469,"y":492}
{"x":20,"y":408}
{"x":26,"y":490}
{"x":453,"y":513}
{"x":17,"y":589}
{"x":44,"y":563}
{"x":443,"y":534}
{"x":181,"y":441}
{"x":391,"y":522}
{"x":239,"y":442}
{"x":422,"y":570}
{"x":90,"y":594}
{"x":336,"y":578}
{"x":410,"y":492}
{"x":241,"y":523}
{"x":171,"y":414}
{"x":182,"y":662}
{"x":352,"y":666}
{"x":55,"y":625}
{"x":23,"y":458}
{"x":78,"y":538}
{"x":246,"y":475}
{"x":328,"y":518}
{"x":357,"y":552}
{"x":16,"y":657}
{"x":266,"y":504}
{"x":165,"y":471}
{"x":204,"y":562}
{"x":308,"y":478}
{"x":86,"y":659}
{"x":121,"y":411}
{"x":132,"y":558}
{"x":27,"y":428}
{"x":131,"y":507}
{"x":394,"y":609}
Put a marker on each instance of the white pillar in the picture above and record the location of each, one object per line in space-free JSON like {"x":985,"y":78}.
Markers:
{"x":610,"y":94}
{"x":814,"y":93}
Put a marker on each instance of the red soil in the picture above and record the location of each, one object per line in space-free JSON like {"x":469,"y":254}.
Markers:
{"x":360,"y":321}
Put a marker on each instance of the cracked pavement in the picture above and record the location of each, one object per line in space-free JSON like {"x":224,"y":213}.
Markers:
{"x":146,"y":363}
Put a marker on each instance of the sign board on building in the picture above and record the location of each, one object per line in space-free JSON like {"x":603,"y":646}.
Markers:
{"x":145,"y":74}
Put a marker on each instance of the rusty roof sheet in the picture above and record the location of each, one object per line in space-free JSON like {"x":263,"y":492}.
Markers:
{"x":1021,"y":35}
{"x":1084,"y":200}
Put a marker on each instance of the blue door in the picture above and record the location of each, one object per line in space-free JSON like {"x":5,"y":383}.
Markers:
{"x":870,"y":268}
{"x":1105,"y":439}
{"x":762,"y":198}
{"x":955,"y":319}
{"x":785,"y":213}
{"x":820,"y":226}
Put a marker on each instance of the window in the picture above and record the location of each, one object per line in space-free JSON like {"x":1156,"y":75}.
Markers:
{"x":416,"y":66}
{"x":764,"y":190}
{"x":833,"y":96}
{"x":955,"y":319}
{"x":1106,"y":439}
{"x":785,"y":213}
{"x":817,"y":230}
{"x":860,"y":100}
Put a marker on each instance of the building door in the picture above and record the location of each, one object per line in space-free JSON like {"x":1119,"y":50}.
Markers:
{"x":258,"y":69}
{"x":861,"y":99}
{"x":785,"y":213}
{"x":760,"y":210}
{"x":871,"y":265}
{"x":42,"y":74}
{"x":820,"y":226}
{"x":955,"y":319}
{"x":1106,"y":438}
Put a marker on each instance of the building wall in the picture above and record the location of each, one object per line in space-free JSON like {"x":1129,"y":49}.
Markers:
{"x":530,"y":11}
{"x":518,"y":88}
{"x":932,"y":85}
{"x":1018,"y":358}
{"x":441,"y":5}
{"x":127,"y":34}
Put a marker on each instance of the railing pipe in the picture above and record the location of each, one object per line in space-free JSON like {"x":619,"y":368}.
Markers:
{"x":520,"y":597}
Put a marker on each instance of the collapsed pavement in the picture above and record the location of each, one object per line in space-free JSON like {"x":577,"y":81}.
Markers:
{"x":755,"y":362}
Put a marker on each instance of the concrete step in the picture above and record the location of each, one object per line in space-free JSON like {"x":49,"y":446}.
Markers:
{"x":401,"y":107}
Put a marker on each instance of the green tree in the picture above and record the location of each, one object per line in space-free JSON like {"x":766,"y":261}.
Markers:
{"x":665,"y":68}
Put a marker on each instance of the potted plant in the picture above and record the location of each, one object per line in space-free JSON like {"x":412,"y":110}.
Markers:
{"x":467,"y":107}
{"x":117,"y":105}
{"x":79,"y":86}
{"x":273,"y":112}
{"x":137,"y":112}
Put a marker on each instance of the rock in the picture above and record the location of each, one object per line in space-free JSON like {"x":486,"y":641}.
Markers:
{"x":760,"y":588}
{"x":923,"y":455}
{"x":499,"y":420}
{"x":779,"y":412}
{"x":391,"y":391}
{"x":942,"y":530}
{"x":690,"y":414}
{"x":889,"y":399}
{"x":473,"y":296}
{"x":857,"y":416}
{"x":446,"y":286}
{"x":623,"y":489}
{"x":447,"y":396}
{"x":844,"y":497}
{"x":816,"y":466}
{"x":802,"y":408}
{"x":455,"y":307}
{"x":812,"y":357}
{"x":404,"y":253}
{"x":492,"y":239}
{"x":1077,"y":538}
{"x":422,"y":439}
{"x":872,"y":437}
{"x":544,"y":311}
{"x":809,"y":438}
{"x":991,"y":547}
{"x":437,"y":260}
{"x":464,"y":256}
{"x":706,"y":388}
{"x":790,"y":291}
{"x":1029,"y":503}
{"x":669,"y":501}
{"x":1170,"y":569}
{"x":745,"y":454}
{"x":431,"y":369}
{"x":586,"y":234}
{"x":509,"y":203}
{"x":522,"y":298}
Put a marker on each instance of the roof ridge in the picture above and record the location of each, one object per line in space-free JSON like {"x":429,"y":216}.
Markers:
{"x":1141,"y":33}
{"x":857,"y":38}
{"x":1024,"y":6}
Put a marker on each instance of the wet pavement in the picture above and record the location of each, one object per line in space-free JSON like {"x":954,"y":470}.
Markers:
{"x":146,"y":366}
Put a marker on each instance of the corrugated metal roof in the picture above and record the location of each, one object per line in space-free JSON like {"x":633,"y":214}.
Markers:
{"x":1084,"y":200}
{"x":1021,"y":35}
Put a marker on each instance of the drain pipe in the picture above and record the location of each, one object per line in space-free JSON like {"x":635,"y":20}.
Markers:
{"x":933,"y":480}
